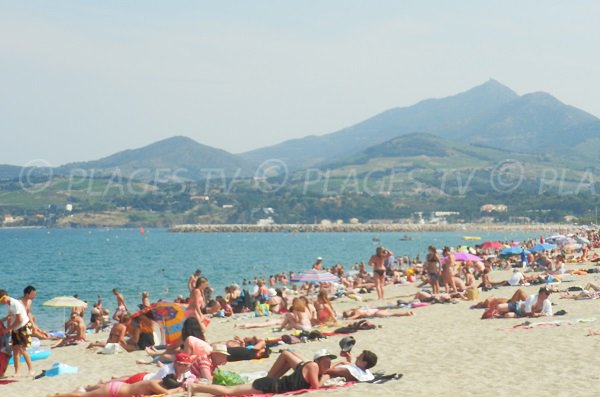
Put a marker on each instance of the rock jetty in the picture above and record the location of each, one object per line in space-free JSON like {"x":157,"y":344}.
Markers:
{"x":367,"y":227}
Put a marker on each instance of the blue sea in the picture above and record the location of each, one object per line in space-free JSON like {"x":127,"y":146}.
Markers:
{"x":91,"y":262}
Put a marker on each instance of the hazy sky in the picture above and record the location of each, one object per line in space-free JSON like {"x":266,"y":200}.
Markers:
{"x":80,"y":80}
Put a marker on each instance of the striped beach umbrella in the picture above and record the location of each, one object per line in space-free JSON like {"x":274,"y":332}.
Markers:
{"x":314,"y":276}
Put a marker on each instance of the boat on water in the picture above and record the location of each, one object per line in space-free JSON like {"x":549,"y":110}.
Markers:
{"x":471,"y":238}
{"x":405,"y":238}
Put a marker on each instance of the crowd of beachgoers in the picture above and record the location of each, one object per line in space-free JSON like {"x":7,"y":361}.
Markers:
{"x":297,"y":311}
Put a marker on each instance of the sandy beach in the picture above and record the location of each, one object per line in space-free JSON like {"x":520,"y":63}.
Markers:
{"x":444,"y":349}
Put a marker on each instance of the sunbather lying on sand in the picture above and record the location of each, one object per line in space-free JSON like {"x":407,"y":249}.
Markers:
{"x":121,"y":389}
{"x":534,"y":306}
{"x":354,"y":314}
{"x":305,"y":375}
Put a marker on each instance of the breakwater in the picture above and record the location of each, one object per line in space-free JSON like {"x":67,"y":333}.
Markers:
{"x":367,"y":228}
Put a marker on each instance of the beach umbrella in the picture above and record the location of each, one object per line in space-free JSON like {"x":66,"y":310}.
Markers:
{"x":169,"y":315}
{"x":513,"y":251}
{"x":492,"y":245}
{"x":582,"y":240}
{"x":571,"y":246}
{"x":465,"y":257}
{"x":314,"y":276}
{"x":543,"y":247}
{"x":555,"y":237}
{"x":64,"y":302}
{"x":565,"y":241}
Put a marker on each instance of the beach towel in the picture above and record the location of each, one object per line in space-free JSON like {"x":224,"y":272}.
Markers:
{"x":301,"y":391}
{"x":112,"y":348}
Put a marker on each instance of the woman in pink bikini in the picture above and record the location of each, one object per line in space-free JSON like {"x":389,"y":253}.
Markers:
{"x":121,"y":389}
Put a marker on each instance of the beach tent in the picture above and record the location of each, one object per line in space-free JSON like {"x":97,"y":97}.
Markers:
{"x":314,"y":276}
{"x":169,"y":315}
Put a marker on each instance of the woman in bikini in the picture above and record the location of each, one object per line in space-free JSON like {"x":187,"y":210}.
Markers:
{"x":325,"y":312}
{"x":378,"y":263}
{"x":122,"y":389}
{"x":354,"y":314}
{"x":448,"y":271}
{"x":117,"y":335}
{"x":299,"y":317}
{"x":432,"y":267}
{"x":197,"y":303}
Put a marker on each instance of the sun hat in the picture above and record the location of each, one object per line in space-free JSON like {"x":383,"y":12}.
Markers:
{"x":347,"y":343}
{"x":319,"y":258}
{"x":220,"y":348}
{"x":323,"y":353}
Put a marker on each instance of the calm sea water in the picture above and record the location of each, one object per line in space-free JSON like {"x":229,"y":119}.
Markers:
{"x":89,"y":262}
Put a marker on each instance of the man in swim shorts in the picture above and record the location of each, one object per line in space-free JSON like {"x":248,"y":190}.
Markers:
{"x":20,"y":328}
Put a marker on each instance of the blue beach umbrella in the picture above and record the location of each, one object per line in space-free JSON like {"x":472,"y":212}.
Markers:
{"x":543,"y":247}
{"x":513,"y":251}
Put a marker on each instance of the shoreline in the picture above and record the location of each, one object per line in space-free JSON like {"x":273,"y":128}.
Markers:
{"x":349,"y":228}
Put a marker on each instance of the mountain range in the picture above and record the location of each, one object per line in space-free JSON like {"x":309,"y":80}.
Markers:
{"x":473,"y":128}
{"x":489,"y":115}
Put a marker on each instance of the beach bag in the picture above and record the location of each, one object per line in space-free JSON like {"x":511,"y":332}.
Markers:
{"x":4,"y":357}
{"x":261,"y":310}
{"x":316,"y":335}
{"x":5,"y":353}
{"x":345,"y":330}
{"x":364,"y":325}
{"x":291,"y":339}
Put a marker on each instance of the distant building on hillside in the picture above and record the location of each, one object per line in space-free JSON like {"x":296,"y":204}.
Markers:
{"x":493,"y":208}
{"x":12,"y":220}
{"x":519,"y":219}
{"x":265,"y":222}
{"x":380,"y":221}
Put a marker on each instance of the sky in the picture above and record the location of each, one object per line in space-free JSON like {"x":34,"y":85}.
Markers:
{"x":80,"y":80}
